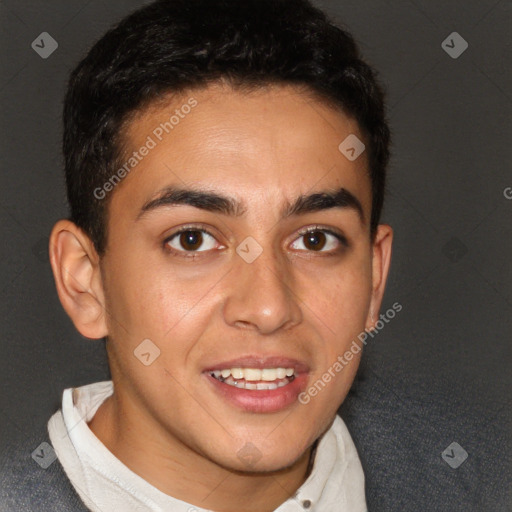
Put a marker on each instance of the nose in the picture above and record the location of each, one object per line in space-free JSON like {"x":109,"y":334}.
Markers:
{"x":261,"y":295}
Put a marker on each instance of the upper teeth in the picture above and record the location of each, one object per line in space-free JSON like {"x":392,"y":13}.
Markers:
{"x":267,"y":374}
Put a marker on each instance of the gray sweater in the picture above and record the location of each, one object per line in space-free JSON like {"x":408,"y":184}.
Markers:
{"x":25,"y":486}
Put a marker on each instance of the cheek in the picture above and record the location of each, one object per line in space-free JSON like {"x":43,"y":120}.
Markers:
{"x":339,"y":299}
{"x":169,"y":308}
{"x":150,"y":297}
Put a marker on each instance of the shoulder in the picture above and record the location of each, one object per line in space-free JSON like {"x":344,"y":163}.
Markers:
{"x":32,"y":478}
{"x":400,"y":443}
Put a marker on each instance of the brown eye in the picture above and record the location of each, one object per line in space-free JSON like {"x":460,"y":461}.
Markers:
{"x":314,"y":240}
{"x":320,"y":240}
{"x":191,"y":240}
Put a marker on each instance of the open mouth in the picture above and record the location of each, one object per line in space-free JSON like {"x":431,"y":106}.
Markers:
{"x":258,"y":383}
{"x":259,"y":390}
{"x":255,"y":379}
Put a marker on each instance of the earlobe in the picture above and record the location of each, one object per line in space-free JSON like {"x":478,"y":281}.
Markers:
{"x":380,"y":268}
{"x":75,"y":266}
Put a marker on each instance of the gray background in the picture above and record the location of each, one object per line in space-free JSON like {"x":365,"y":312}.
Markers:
{"x":437,"y":373}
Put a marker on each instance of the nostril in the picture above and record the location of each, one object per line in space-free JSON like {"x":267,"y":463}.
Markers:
{"x":243,"y":324}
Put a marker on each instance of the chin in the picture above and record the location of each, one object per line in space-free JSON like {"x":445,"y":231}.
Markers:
{"x":253,"y":459}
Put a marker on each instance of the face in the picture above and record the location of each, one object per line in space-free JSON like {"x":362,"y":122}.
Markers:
{"x":247,"y":296}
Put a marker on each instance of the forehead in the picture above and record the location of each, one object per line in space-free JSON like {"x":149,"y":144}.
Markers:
{"x":266,"y":145}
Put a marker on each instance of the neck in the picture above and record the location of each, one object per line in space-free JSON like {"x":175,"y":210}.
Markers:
{"x":177,"y":470}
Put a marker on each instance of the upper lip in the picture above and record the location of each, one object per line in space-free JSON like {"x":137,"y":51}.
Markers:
{"x":251,"y":361}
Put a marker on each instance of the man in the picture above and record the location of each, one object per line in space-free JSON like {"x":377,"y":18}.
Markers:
{"x":225,"y":166}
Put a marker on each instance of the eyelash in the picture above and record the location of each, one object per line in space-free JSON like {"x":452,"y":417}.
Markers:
{"x":193,"y":254}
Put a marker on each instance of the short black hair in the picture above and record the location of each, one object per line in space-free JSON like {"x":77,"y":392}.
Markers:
{"x":178,"y":45}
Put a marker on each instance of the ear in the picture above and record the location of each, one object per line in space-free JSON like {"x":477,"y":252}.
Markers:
{"x":381,"y":260}
{"x":75,"y":266}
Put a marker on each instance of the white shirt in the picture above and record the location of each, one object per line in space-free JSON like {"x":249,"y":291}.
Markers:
{"x":104,"y":483}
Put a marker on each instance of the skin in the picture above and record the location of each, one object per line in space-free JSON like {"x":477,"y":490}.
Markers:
{"x":164,"y":421}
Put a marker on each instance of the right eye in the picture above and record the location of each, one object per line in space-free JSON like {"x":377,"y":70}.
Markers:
{"x":190,"y":240}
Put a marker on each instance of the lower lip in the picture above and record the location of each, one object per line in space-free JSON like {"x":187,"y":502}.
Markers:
{"x":266,"y":400}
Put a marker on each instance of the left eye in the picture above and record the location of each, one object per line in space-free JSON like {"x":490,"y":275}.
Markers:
{"x":191,"y":240}
{"x":317,"y":239}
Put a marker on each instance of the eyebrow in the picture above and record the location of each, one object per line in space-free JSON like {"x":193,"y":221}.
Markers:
{"x":215,"y":202}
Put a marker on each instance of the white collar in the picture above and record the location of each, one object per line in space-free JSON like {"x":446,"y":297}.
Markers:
{"x":336,"y":481}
